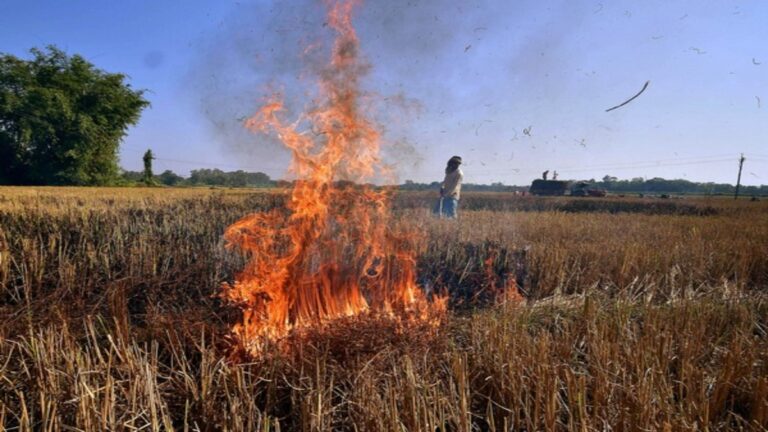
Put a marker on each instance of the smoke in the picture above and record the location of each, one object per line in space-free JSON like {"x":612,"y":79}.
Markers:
{"x":432,"y":63}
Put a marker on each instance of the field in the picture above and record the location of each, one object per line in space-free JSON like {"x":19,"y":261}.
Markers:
{"x":636,"y":314}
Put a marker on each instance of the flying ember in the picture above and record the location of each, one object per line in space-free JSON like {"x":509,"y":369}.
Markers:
{"x":335,"y":250}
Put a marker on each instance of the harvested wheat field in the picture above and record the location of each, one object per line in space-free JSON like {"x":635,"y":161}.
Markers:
{"x":615,"y":317}
{"x":328,"y":280}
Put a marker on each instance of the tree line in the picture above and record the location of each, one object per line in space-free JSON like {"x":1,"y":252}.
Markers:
{"x":62,"y":119}
{"x":469,"y":187}
{"x":658,"y":185}
{"x":200,"y":177}
{"x":637,"y":185}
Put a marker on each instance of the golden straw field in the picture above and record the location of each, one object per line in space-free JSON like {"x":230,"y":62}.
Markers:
{"x":636,"y":314}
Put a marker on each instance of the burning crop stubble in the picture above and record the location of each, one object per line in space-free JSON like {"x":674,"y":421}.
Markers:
{"x":637,"y":313}
{"x":338,"y":252}
{"x":656,"y":319}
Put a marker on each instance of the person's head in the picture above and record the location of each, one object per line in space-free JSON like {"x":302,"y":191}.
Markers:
{"x":453,"y":163}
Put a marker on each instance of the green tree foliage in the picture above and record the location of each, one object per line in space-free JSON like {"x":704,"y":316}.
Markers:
{"x":61,"y":119}
{"x":410,"y":185}
{"x":201,"y":177}
{"x":170,"y":178}
{"x":131,"y":177}
{"x":217,"y":177}
{"x":612,"y":184}
{"x":657,"y":185}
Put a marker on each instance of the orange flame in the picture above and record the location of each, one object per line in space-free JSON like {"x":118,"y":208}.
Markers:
{"x":335,"y":250}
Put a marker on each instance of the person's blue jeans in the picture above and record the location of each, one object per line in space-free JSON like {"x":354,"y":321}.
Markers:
{"x":447,"y":207}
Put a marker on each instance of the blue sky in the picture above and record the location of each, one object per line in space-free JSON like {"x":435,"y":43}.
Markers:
{"x":466,"y":80}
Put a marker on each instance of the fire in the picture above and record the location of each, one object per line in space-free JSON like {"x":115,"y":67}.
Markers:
{"x":336,"y":249}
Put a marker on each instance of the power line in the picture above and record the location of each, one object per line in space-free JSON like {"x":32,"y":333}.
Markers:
{"x":531,"y":172}
{"x":188,"y":162}
{"x":649,"y":163}
{"x":197,"y":163}
{"x":638,"y":166}
{"x":661,"y":161}
{"x":625,"y":166}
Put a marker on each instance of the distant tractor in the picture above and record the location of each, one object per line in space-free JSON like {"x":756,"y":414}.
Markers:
{"x":583,"y":189}
{"x":549,"y":187}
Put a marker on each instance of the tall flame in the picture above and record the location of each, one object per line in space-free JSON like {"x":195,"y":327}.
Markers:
{"x":335,"y":250}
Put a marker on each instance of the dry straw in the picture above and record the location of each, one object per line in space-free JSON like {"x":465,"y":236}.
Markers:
{"x":633,"y":320}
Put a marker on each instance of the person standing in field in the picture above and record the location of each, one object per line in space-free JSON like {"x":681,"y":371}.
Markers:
{"x":450,"y":191}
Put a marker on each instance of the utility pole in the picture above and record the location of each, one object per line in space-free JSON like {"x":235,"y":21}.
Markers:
{"x":738,"y":180}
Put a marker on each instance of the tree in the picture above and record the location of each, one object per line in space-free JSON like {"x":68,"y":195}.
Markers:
{"x":131,"y":177}
{"x":147,"y":176}
{"x":62,"y":119}
{"x":217,"y":177}
{"x":170,"y":178}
